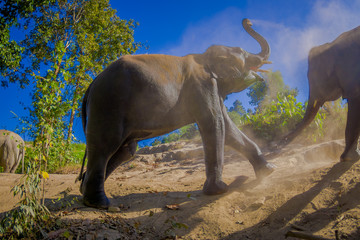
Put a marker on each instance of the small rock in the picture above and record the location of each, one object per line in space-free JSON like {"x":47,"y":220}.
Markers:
{"x":113,"y":209}
{"x":109,"y":234}
{"x":255,"y":206}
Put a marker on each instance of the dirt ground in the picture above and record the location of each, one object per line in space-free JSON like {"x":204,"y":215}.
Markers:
{"x":158,"y":196}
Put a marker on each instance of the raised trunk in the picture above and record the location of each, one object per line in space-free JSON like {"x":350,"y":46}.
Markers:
{"x":310,"y":113}
{"x":265,"y":48}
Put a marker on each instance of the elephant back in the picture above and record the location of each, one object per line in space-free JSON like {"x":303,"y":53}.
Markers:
{"x":6,"y":135}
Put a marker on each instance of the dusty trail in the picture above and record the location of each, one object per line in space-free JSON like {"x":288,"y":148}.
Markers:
{"x":160,"y":197}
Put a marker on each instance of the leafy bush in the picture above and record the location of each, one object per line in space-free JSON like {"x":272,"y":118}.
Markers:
{"x":31,"y":219}
{"x":59,"y":157}
{"x":28,"y":218}
{"x":185,"y":133}
{"x":279,"y":117}
{"x":335,"y":122}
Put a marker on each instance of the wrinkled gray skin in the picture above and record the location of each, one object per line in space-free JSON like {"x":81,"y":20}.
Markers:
{"x":334,"y":71}
{"x":144,"y":96}
{"x":11,"y":150}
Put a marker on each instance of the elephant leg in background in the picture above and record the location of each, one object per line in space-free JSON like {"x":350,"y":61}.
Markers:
{"x":15,"y":156}
{"x":124,"y":154}
{"x":241,"y":143}
{"x":352,"y":131}
{"x":2,"y":157}
{"x":7,"y":157}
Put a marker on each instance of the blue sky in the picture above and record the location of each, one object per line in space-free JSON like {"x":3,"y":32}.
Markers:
{"x":182,"y":27}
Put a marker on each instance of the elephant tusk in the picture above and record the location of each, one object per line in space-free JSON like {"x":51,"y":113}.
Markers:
{"x":264,"y":71}
{"x":266,"y":62}
{"x":315,"y":102}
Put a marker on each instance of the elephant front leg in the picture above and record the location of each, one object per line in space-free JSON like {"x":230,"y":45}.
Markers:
{"x":241,"y":143}
{"x":352,"y":131}
{"x":210,"y":120}
{"x":212,"y":133}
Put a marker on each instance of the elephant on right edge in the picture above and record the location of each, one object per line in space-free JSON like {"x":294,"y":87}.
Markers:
{"x":12,"y":150}
{"x":334,"y":71}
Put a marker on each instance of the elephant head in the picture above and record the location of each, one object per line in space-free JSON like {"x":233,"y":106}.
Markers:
{"x":234,"y":67}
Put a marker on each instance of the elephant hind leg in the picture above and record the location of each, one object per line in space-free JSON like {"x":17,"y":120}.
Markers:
{"x":16,"y":159}
{"x":100,"y":149}
{"x":124,"y":154}
{"x":7,"y":157}
{"x":352,"y":131}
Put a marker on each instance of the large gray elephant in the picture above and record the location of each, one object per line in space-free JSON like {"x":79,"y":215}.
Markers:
{"x":11,"y":150}
{"x":334,"y":71}
{"x":143,"y":96}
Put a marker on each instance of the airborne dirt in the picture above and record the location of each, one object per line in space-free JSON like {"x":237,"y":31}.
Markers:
{"x":158,"y":196}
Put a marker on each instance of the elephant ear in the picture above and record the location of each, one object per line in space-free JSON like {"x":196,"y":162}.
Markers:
{"x":253,"y":62}
{"x":221,"y":58}
{"x":216,"y":51}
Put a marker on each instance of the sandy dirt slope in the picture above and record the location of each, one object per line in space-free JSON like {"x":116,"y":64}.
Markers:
{"x":158,"y":195}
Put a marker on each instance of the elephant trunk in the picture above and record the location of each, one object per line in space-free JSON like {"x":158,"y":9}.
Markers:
{"x":265,"y":48}
{"x":310,"y":113}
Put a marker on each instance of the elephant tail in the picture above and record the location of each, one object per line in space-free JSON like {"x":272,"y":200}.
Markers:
{"x":83,"y":108}
{"x":84,"y":118}
{"x":310,"y":113}
{"x":81,"y":175}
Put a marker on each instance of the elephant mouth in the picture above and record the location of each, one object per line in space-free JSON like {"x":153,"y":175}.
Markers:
{"x":257,"y":68}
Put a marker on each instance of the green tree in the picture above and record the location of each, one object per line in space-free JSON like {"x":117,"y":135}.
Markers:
{"x":10,"y":50}
{"x":276,"y":110}
{"x":263,"y":93}
{"x":100,"y":37}
{"x":256,"y":93}
{"x":238,"y":107}
{"x":276,"y":87}
{"x":66,"y":44}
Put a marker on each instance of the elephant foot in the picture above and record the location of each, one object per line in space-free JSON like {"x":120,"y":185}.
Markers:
{"x":97,"y":201}
{"x":350,"y":156}
{"x":214,"y":188}
{"x":264,"y":170}
{"x":91,"y":197}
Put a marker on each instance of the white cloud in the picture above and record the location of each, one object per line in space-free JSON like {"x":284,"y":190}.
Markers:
{"x":324,"y":23}
{"x":289,"y":44}
{"x":224,"y":28}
